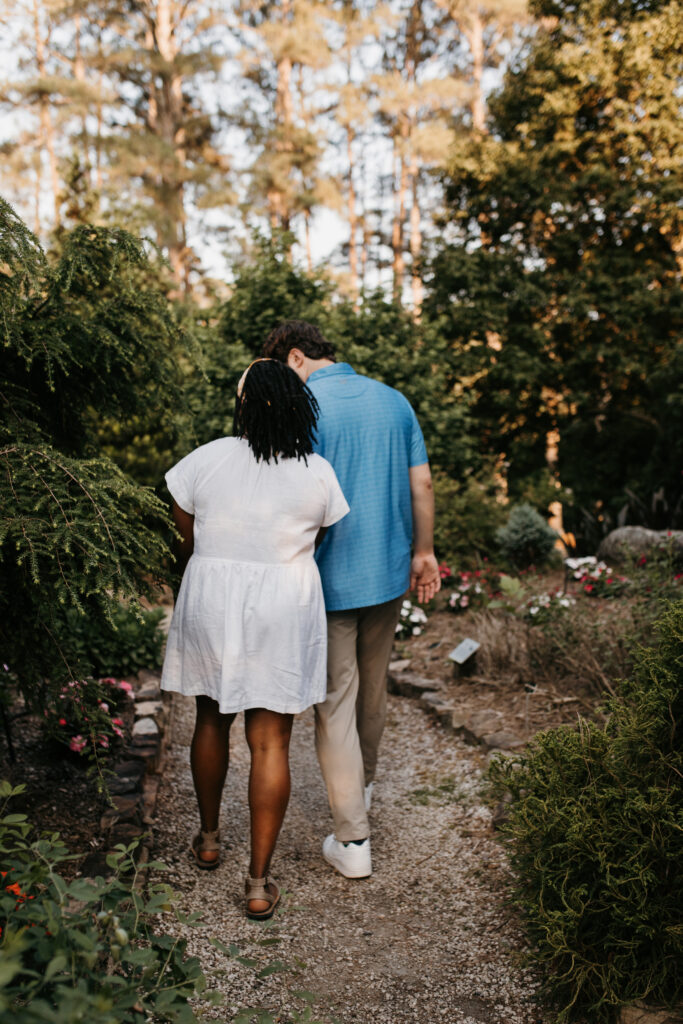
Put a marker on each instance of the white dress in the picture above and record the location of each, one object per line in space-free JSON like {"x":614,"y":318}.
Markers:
{"x":249,"y":626}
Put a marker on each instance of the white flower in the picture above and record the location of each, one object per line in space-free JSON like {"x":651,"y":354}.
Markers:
{"x":406,"y":606}
{"x":416,"y":630}
{"x":533,"y":610}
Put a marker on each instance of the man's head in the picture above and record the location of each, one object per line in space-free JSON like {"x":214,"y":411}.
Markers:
{"x":301,"y":345}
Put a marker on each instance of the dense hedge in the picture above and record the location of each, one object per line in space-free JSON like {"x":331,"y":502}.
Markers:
{"x":596,"y":841}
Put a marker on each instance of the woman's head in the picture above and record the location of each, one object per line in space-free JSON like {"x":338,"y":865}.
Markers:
{"x":275,"y":411}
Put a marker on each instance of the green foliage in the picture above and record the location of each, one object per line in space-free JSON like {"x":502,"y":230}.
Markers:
{"x":596,"y":842}
{"x":526,"y":539}
{"x":468,"y":513}
{"x":87,"y":950}
{"x":75,"y":532}
{"x":379,"y":339}
{"x":562,"y":298}
{"x":121,"y":646}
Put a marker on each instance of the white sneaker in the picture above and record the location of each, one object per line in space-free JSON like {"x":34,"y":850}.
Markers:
{"x":368,"y":796}
{"x":352,"y":860}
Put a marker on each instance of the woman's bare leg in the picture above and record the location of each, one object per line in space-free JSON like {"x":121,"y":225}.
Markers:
{"x":268,"y":735}
{"x":209,"y":756}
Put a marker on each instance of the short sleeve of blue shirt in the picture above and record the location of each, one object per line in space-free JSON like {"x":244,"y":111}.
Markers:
{"x":370,"y":434}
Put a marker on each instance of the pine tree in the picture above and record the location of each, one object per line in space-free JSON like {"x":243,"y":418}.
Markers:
{"x":81,"y":337}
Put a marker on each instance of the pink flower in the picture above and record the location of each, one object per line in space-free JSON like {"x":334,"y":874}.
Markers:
{"x":117,"y":721}
{"x":123,"y":685}
{"x":464,"y":601}
{"x":105,"y":707}
{"x":77,"y":743}
{"x":103,"y":741}
{"x":588,"y":588}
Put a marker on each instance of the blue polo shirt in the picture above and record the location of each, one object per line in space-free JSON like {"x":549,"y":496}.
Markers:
{"x":370,"y":434}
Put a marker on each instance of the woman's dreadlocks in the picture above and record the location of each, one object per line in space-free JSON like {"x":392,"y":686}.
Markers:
{"x":276,"y":412}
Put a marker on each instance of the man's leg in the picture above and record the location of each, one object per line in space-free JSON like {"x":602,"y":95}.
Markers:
{"x":336,"y":736}
{"x":376,"y":632}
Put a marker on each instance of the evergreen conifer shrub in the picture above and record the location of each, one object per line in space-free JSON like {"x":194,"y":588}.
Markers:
{"x":526,"y":539}
{"x":596,"y":841}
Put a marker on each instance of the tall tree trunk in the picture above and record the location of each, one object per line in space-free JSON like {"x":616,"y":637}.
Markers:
{"x":46,"y":126}
{"x":307,"y":234}
{"x":366,"y":234}
{"x":284,"y":117}
{"x":475,"y":39}
{"x":353,"y":219}
{"x":415,"y":244}
{"x":36,"y":200}
{"x":170,"y":127}
{"x":397,"y":233}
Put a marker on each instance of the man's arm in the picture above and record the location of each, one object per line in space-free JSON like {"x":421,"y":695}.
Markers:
{"x":424,"y":568}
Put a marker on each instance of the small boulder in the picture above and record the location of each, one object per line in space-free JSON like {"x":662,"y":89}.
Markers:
{"x":632,"y":542}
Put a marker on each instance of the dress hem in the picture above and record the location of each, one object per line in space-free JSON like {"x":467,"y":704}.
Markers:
{"x":280,"y":709}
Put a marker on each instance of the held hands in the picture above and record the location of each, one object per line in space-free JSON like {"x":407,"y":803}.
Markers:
{"x":425,"y":577}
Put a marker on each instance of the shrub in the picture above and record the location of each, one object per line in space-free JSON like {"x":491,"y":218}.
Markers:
{"x":595,"y":841}
{"x":87,"y":714}
{"x":526,"y":539}
{"x":86,"y":950}
{"x":88,"y":330}
{"x":133,"y":640}
{"x":468,"y":514}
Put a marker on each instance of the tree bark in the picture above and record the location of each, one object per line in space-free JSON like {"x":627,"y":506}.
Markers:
{"x":353,"y":219}
{"x":475,"y":38}
{"x":397,"y":233}
{"x":415,"y":244}
{"x":46,"y":126}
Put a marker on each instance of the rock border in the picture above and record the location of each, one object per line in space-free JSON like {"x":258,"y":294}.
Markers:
{"x":134,"y":787}
{"x":481,"y":728}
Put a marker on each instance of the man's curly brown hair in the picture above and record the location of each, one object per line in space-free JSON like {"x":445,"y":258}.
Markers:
{"x":297,"y":334}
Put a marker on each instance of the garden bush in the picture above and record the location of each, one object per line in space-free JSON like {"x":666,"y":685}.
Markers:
{"x":83,"y":335}
{"x":131,"y":641}
{"x":526,"y":539}
{"x":596,"y":843}
{"x":468,"y":514}
{"x":89,"y":950}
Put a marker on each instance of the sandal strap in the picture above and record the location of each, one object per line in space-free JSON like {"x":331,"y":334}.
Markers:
{"x":255,"y":889}
{"x":208,"y":842}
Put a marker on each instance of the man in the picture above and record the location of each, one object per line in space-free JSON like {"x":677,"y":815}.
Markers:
{"x":371,"y":436}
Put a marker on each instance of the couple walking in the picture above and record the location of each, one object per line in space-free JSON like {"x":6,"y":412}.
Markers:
{"x":321,"y":459}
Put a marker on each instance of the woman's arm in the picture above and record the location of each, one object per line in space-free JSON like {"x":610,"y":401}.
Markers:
{"x":183,"y":548}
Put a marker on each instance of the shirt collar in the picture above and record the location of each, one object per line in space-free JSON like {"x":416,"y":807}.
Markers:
{"x":336,"y":370}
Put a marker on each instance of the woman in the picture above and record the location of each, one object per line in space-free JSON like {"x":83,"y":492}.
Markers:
{"x":248,"y":631}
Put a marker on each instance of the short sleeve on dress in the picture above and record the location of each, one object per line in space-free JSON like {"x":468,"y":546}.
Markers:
{"x":180,"y":481}
{"x":337,"y":506}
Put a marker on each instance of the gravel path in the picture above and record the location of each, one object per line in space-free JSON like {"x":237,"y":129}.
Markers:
{"x":428,"y":938}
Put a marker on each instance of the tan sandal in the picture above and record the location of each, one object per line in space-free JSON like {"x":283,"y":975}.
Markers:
{"x":261,"y":889}
{"x":206,"y":842}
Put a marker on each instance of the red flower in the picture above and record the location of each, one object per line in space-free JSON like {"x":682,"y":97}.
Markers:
{"x":62,"y":721}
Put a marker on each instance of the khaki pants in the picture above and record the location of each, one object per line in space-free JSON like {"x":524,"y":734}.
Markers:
{"x":350,"y":722}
